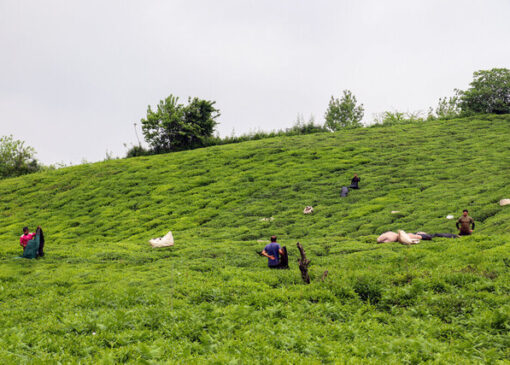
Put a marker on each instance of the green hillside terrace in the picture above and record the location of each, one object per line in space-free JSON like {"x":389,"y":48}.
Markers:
{"x":102,"y":294}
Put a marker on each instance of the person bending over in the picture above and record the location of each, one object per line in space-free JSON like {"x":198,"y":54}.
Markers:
{"x":276,"y":255}
{"x":465,"y":221}
{"x":25,"y":237}
{"x":354,"y":182}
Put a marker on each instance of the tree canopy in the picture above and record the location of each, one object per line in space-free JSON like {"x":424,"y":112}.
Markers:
{"x":489,"y":92}
{"x":343,"y":112}
{"x":15,"y":158}
{"x":175,"y":127}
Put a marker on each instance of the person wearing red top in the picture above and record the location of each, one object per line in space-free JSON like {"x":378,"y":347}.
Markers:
{"x":25,"y":237}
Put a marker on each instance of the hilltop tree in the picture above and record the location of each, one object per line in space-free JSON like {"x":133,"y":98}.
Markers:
{"x":175,"y":127}
{"x":489,"y":92}
{"x":15,"y":158}
{"x":343,"y":112}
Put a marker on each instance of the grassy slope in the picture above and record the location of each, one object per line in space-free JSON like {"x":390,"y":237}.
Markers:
{"x":103,"y":293}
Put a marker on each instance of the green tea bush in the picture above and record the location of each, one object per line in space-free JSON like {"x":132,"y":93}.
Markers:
{"x":103,"y":295}
{"x":368,"y":288}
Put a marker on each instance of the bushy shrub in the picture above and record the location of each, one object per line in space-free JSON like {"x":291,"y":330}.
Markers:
{"x":299,"y":128}
{"x":368,"y":288}
{"x":136,"y":151}
{"x":393,"y":118}
{"x":447,"y":108}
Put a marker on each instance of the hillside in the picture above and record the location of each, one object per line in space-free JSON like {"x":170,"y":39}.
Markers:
{"x":102,"y":293}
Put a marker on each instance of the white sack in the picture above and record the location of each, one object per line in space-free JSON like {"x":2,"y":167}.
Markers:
{"x":404,"y":238}
{"x":167,"y":240}
{"x":387,"y":237}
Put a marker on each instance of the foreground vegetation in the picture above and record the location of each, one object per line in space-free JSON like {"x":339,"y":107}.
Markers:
{"x":102,"y":294}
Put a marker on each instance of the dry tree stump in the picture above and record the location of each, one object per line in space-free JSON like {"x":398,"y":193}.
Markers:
{"x":303,"y":264}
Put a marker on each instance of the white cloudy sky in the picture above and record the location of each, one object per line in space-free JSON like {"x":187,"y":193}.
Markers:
{"x":76,"y":75}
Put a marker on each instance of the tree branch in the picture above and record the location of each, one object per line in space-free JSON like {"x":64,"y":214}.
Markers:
{"x":303,"y":264}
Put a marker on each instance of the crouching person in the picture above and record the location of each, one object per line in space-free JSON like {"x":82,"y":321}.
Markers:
{"x":276,"y":255}
{"x":31,"y":250}
{"x":25,"y":237}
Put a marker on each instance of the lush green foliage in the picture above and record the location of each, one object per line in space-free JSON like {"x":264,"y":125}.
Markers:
{"x":177,"y":127}
{"x":103,"y":294}
{"x":343,"y":112}
{"x":136,"y":151}
{"x":447,"y":108}
{"x":489,"y":92}
{"x":396,"y":117}
{"x":16,"y":158}
{"x":299,"y":128}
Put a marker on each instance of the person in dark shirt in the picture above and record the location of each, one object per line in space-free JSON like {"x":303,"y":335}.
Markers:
{"x":276,"y":255}
{"x":465,"y":221}
{"x":354,"y":182}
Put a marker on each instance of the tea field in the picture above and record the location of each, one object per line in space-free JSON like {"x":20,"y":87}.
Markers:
{"x":103,"y":295}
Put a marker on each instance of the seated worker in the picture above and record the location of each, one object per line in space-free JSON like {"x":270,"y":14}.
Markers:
{"x":354,"y":182}
{"x":25,"y":237}
{"x":464,"y":221}
{"x":273,"y":251}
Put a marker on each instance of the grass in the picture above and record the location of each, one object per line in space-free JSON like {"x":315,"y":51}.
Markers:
{"x":103,"y":295}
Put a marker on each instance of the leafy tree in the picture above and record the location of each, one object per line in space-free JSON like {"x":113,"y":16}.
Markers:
{"x":489,"y":92}
{"x":344,"y":112}
{"x":15,"y":158}
{"x":175,"y":127}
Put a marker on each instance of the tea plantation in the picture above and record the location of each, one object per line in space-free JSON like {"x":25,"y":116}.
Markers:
{"x":103,"y":295}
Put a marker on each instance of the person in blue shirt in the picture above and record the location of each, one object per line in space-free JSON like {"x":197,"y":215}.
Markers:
{"x":276,"y":255}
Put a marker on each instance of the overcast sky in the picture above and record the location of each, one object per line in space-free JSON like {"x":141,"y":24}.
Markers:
{"x":76,"y":75}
